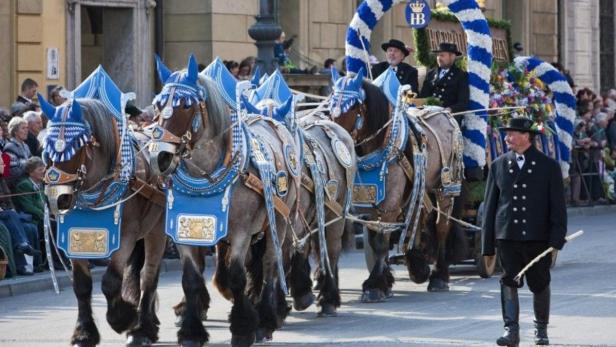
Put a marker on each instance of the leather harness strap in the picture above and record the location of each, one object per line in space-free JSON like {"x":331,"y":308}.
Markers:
{"x":254,"y":183}
{"x":333,"y":205}
{"x":148,"y":191}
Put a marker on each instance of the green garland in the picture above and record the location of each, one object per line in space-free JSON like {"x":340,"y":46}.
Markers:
{"x":425,"y":57}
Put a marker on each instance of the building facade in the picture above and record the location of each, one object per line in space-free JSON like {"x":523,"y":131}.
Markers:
{"x":59,"y":42}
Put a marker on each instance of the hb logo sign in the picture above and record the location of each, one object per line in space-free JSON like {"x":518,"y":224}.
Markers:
{"x":418,"y":14}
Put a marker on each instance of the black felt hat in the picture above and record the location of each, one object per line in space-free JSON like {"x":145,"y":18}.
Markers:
{"x":520,"y":124}
{"x":448,"y":47}
{"x":397,"y":44}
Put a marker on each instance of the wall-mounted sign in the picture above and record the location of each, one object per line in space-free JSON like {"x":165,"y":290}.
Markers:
{"x":53,"y":64}
{"x":418,"y":13}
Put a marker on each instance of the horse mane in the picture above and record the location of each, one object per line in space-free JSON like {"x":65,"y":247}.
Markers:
{"x":218,"y":113}
{"x":377,"y":110}
{"x":98,"y":116}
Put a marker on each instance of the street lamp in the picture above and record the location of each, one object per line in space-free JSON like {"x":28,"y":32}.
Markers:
{"x":264,"y":32}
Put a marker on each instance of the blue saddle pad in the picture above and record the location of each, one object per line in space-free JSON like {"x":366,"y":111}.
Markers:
{"x":368,"y":187}
{"x":89,"y":234}
{"x":197,"y":220}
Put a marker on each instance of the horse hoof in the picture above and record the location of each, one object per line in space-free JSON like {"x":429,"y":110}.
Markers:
{"x":303,"y":302}
{"x":178,"y":321}
{"x":264,"y":335}
{"x":438,"y":285}
{"x":327,"y":310}
{"x":242,"y":340}
{"x":191,"y":344}
{"x":372,"y":295}
{"x":137,"y":341}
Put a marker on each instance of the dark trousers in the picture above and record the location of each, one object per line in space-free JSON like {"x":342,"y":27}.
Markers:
{"x":514,"y":255}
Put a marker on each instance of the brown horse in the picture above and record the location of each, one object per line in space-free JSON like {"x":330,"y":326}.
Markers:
{"x":364,"y":111}
{"x":130,"y":282}
{"x":197,"y":135}
{"x":327,"y":177}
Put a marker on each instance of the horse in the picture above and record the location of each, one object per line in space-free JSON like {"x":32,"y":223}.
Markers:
{"x":364,"y":111}
{"x":197,"y":138}
{"x":323,"y":203}
{"x":83,"y":150}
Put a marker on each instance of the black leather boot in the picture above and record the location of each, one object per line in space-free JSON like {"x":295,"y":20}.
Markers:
{"x":541,"y":305}
{"x":511,"y":314}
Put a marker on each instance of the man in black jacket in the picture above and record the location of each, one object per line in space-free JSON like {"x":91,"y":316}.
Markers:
{"x":525,"y":213}
{"x":396,"y":52}
{"x":447,"y":82}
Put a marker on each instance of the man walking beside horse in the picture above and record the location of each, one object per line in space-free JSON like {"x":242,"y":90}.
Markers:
{"x":525,"y":213}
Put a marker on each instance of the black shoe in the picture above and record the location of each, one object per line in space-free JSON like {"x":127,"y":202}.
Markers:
{"x":511,"y":313}
{"x":541,"y":306}
{"x":26,"y":249}
{"x":23,"y":272}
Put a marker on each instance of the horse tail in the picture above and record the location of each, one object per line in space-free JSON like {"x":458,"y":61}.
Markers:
{"x":131,"y":290}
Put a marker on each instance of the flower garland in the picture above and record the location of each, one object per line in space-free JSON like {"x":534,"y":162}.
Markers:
{"x":511,"y":87}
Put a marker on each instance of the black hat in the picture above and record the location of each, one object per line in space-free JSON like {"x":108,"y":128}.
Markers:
{"x":448,"y":47}
{"x":521,"y":124}
{"x":397,"y":44}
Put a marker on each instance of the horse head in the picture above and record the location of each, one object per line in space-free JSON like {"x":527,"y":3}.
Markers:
{"x":70,"y":150}
{"x":270,"y":108}
{"x":346,"y":104}
{"x":182,"y":116}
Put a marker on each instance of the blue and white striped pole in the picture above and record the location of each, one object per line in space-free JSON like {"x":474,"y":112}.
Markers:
{"x":479,"y":54}
{"x":564,"y":102}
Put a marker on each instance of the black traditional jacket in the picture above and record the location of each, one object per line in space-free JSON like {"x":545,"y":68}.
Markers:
{"x":452,"y":89}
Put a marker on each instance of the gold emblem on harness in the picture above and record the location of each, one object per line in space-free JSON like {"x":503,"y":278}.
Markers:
{"x":201,"y":228}
{"x":88,"y":241}
{"x":364,"y":194}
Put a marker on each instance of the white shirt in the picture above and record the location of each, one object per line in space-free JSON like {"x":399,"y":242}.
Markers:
{"x":442,"y":73}
{"x":519,"y":158}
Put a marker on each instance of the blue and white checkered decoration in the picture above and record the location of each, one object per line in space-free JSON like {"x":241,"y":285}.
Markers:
{"x":479,"y":63}
{"x":564,"y":100}
{"x":389,"y":84}
{"x":66,"y":118}
{"x":347,"y":91}
{"x":274,"y":87}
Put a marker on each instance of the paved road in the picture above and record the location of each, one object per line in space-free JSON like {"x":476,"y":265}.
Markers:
{"x":583,"y":308}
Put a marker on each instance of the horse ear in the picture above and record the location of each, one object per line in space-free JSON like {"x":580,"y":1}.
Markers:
{"x":256,"y":77}
{"x":281,"y":111}
{"x":361,"y":74}
{"x":193,"y":68}
{"x":48,"y":109}
{"x":75,"y":110}
{"x":163,"y":71}
{"x":335,"y":74}
{"x":249,"y":106}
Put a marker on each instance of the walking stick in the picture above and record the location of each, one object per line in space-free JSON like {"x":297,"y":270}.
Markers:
{"x":546,"y":252}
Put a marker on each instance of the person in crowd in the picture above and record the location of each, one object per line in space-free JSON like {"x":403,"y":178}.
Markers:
{"x":246,"y":68}
{"x":17,"y":148}
{"x":24,"y":235}
{"x":327,"y":70}
{"x":447,"y":82}
{"x":30,"y":198}
{"x":35,"y":125}
{"x":28,"y":91}
{"x":395,"y":53}
{"x":6,"y":245}
{"x":55,"y":98}
{"x":525,"y":213}
{"x":233,"y":67}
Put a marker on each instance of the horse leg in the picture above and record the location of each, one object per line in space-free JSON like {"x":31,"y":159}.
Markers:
{"x":243,"y":317}
{"x":121,"y":314}
{"x":271,"y":314}
{"x":85,"y":333}
{"x":378,"y":285}
{"x":221,"y":277}
{"x":300,"y":282}
{"x":439,"y":278}
{"x":329,"y":296}
{"x":416,"y":260}
{"x":179,"y":309}
{"x":146,"y":330}
{"x":192,"y":332}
